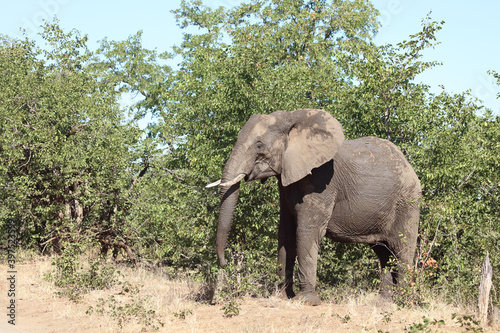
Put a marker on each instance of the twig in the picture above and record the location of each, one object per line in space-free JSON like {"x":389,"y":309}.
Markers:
{"x":173,"y":173}
{"x":465,"y":180}
{"x":432,"y":244}
{"x":50,"y":240}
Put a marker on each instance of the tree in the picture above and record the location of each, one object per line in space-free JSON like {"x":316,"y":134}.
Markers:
{"x":66,"y":147}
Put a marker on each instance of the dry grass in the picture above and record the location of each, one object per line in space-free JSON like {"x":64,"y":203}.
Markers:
{"x":173,"y":300}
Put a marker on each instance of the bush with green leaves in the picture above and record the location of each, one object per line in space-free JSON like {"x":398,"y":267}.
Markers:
{"x":68,"y":152}
{"x":128,"y":306}
{"x":74,"y":277}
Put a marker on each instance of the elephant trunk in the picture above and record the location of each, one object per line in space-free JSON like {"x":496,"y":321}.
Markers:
{"x":228,"y":205}
{"x":229,"y":198}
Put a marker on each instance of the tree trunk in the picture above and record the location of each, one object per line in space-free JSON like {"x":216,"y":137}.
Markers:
{"x":484,"y":291}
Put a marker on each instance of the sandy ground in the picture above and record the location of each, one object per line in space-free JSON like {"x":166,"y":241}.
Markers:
{"x":39,"y":310}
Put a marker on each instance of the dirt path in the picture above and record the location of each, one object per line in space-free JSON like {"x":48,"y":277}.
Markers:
{"x":8,"y":328}
{"x":256,"y":315}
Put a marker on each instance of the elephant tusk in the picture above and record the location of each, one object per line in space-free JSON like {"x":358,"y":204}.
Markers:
{"x":217,"y":183}
{"x":234,"y":181}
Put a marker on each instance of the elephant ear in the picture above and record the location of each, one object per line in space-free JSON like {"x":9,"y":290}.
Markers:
{"x":314,"y":138}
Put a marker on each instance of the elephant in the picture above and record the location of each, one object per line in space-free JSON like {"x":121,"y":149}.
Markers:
{"x":352,"y":191}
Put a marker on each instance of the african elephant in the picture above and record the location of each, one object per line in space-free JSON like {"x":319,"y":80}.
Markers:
{"x":352,"y":191}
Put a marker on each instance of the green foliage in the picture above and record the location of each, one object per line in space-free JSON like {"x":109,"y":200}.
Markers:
{"x":425,"y":326}
{"x":469,"y":323}
{"x":343,"y":319}
{"x":183,"y":313}
{"x":75,"y":277}
{"x":243,"y":276}
{"x":456,"y":162}
{"x":231,"y":309}
{"x":66,"y":147}
{"x":411,"y":291}
{"x":126,"y":306}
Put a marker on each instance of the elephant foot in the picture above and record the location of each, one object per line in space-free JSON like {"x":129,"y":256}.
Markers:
{"x":289,"y":293}
{"x":309,"y":298}
{"x":386,"y":293}
{"x":383,"y":299}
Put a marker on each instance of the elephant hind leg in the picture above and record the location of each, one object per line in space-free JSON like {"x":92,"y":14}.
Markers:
{"x":388,"y":274}
{"x":404,"y":248}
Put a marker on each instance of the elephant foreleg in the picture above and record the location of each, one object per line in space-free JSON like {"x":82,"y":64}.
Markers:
{"x":308,"y":242}
{"x":287,"y":252}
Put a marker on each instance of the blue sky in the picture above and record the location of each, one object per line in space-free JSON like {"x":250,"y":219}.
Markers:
{"x":469,"y":46}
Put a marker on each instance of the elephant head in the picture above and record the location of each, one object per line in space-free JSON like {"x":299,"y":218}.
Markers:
{"x":283,"y":144}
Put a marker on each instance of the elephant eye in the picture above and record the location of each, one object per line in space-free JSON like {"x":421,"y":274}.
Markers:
{"x":259,"y":145}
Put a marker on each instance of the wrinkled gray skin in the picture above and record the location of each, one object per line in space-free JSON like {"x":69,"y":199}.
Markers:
{"x":355,"y":191}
